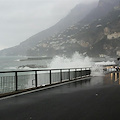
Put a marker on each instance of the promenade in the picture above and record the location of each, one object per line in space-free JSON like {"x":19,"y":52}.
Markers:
{"x":92,"y":98}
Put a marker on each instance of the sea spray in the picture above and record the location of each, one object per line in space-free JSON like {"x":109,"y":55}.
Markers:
{"x":76,"y":61}
{"x":97,"y":70}
{"x":79,"y":61}
{"x":105,"y":63}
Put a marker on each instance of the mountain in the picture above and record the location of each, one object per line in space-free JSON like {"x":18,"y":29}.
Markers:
{"x":104,"y":32}
{"x":103,"y":8}
{"x":76,"y":14}
{"x":107,"y":40}
{"x":96,"y":33}
{"x":101,"y":37}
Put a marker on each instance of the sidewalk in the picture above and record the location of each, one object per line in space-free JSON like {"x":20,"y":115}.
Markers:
{"x":96,"y":98}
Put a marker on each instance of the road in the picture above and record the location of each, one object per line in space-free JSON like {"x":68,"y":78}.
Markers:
{"x":95,"y":98}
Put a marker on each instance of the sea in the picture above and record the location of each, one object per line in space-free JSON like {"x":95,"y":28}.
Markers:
{"x":27,"y":80}
{"x":12,"y":63}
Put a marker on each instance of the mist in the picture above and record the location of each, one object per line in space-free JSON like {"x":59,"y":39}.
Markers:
{"x":80,"y":61}
{"x":21,"y":19}
{"x":76,"y":61}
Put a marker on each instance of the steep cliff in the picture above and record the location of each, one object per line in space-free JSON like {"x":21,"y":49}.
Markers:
{"x":96,"y":33}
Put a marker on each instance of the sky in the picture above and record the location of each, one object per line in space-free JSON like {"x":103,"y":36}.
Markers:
{"x":20,"y":19}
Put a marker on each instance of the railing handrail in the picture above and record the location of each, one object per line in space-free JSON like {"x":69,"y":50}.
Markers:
{"x":42,"y":70}
{"x":61,"y":75}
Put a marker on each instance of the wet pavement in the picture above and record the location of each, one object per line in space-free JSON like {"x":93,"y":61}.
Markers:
{"x":95,"y":98}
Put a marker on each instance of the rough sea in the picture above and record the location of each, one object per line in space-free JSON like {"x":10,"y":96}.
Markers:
{"x":9,"y":63}
{"x":27,"y":80}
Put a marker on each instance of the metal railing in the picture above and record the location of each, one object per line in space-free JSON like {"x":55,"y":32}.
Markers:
{"x":11,"y":81}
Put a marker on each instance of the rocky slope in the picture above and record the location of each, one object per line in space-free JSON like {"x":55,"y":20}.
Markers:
{"x":76,"y":14}
{"x":96,"y":34}
{"x":102,"y":37}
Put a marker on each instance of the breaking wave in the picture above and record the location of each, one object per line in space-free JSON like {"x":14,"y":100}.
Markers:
{"x":76,"y":61}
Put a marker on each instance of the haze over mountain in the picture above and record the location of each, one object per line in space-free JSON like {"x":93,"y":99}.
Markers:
{"x":92,"y":29}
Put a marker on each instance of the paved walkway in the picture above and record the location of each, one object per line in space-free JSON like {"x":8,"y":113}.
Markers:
{"x":96,"y":98}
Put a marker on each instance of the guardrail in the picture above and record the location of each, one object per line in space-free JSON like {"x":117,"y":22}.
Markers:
{"x":109,"y":68}
{"x":11,"y":81}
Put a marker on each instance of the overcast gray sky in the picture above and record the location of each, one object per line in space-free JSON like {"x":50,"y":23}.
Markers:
{"x":20,"y":19}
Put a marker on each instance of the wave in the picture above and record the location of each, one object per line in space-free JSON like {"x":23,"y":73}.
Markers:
{"x":76,"y":61}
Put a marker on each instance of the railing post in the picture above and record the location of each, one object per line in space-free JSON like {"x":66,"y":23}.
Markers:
{"x":60,"y":75}
{"x":16,"y":81}
{"x":69,"y":73}
{"x":81,"y":72}
{"x":50,"y":78}
{"x":75,"y":73}
{"x":36,"y":84}
{"x":85,"y":72}
{"x":89,"y":71}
